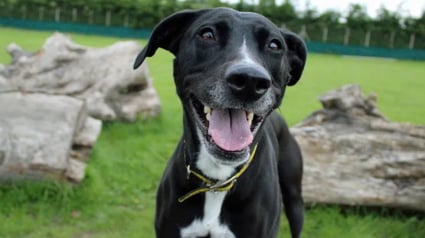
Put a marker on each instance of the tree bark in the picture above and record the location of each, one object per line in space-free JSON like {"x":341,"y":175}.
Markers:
{"x":45,"y":137}
{"x":103,"y":77}
{"x":48,"y":99}
{"x":354,"y":156}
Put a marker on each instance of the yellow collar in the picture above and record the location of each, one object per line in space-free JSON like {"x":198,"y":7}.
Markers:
{"x":211,"y":186}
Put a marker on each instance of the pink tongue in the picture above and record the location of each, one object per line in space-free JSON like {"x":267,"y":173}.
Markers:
{"x":229,"y":129}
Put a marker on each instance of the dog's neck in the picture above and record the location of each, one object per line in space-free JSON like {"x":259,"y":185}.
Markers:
{"x":205,"y":162}
{"x":199,"y":158}
{"x":216,"y":185}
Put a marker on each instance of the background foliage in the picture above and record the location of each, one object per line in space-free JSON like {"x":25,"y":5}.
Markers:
{"x":389,"y":29}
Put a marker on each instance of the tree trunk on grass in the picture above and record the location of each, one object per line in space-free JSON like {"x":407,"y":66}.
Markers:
{"x":44,"y":137}
{"x":354,"y":156}
{"x":103,"y":77}
{"x":48,"y":99}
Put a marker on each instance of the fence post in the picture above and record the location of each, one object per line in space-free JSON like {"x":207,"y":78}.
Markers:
{"x":24,"y":11}
{"x":367,"y":38}
{"x":126,"y":20}
{"x":91,"y":17}
{"x":57,"y":14}
{"x":325,"y":34}
{"x":392,"y":39}
{"x":74,"y":14}
{"x":347,"y":36}
{"x":108,"y":18}
{"x":41,"y":13}
{"x":303,"y":33}
{"x":412,"y":41}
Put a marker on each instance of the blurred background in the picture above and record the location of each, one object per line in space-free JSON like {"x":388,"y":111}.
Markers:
{"x":387,"y":24}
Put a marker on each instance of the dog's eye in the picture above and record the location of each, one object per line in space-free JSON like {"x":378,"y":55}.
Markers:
{"x":207,"y":34}
{"x":275,"y":45}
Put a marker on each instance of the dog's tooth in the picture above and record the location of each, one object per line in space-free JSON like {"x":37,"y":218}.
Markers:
{"x":250,"y":117}
{"x":207,"y":110}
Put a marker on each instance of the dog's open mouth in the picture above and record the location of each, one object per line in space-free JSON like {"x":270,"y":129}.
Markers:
{"x":231,"y":130}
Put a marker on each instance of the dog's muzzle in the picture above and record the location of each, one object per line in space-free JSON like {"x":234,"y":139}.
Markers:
{"x":230,"y":128}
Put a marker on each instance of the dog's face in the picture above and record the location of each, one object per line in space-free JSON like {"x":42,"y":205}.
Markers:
{"x":231,"y":70}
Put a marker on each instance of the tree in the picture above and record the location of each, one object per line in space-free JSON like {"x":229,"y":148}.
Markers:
{"x":388,"y":23}
{"x":357,"y":17}
{"x":388,"y":20}
{"x":419,"y":35}
{"x":286,"y":12}
{"x":328,"y":19}
{"x":358,"y":22}
{"x":267,"y":3}
{"x":282,"y":14}
{"x":310,"y":14}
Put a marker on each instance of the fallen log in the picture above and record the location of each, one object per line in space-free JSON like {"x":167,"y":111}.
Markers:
{"x":49,"y":99}
{"x":103,"y":77}
{"x":45,"y":137}
{"x":353,"y":155}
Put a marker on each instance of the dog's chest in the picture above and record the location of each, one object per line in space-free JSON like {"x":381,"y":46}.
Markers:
{"x":209,"y":224}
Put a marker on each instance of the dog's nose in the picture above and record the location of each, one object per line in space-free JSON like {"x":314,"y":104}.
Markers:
{"x":248,"y":81}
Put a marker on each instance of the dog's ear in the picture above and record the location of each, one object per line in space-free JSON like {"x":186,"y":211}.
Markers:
{"x":167,"y":34}
{"x":297,"y":53}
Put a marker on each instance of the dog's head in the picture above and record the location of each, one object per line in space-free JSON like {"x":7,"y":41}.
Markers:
{"x":231,"y":70}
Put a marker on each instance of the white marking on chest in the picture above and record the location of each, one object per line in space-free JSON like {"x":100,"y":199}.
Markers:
{"x":206,"y":163}
{"x":210,"y":223}
{"x":209,"y":166}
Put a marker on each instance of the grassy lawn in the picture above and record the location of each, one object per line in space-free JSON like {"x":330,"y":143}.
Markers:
{"x":117,"y":197}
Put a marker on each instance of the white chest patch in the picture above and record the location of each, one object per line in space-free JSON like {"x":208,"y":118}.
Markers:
{"x":208,"y":165}
{"x":210,"y":168}
{"x":210,"y":223}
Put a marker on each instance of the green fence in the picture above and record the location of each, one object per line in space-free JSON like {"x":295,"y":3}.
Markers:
{"x":328,"y":48}
{"x":317,"y":47}
{"x":76,"y":28}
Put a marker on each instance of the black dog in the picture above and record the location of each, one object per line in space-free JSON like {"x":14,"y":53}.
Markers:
{"x":236,"y":161}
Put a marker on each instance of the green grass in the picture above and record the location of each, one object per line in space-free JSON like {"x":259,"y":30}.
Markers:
{"x":117,"y":197}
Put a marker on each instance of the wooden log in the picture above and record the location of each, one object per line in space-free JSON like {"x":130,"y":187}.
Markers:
{"x":354,"y":156}
{"x":41,"y":134}
{"x":103,"y":77}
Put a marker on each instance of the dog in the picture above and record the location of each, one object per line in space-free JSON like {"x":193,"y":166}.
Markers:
{"x":236,"y":161}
